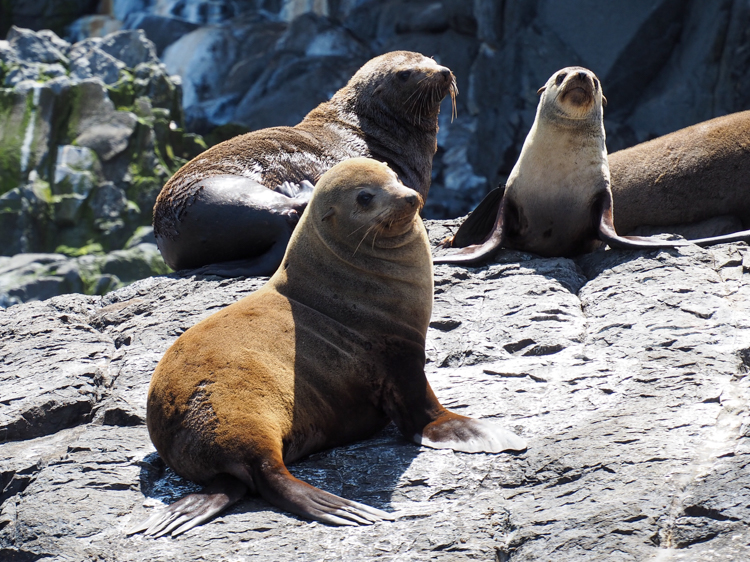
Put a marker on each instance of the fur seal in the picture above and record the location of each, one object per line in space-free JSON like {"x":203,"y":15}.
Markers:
{"x":327,"y":352}
{"x":236,"y":204}
{"x":558,"y":200}
{"x":690,"y":175}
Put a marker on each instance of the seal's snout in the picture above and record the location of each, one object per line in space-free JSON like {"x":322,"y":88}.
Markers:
{"x":446,"y":74}
{"x":582,"y":75}
{"x":411,"y":200}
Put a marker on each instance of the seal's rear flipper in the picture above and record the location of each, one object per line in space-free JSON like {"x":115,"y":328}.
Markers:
{"x":478,"y":253}
{"x":608,"y":235}
{"x":478,"y":225}
{"x":192,"y":510}
{"x":280,"y":488}
{"x":741,"y":236}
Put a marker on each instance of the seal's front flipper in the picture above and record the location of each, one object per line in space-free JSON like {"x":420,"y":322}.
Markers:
{"x":452,"y":431}
{"x":412,"y":405}
{"x":478,"y":225}
{"x":280,"y":488}
{"x":478,"y":253}
{"x":192,"y":510}
{"x":264,"y":265}
{"x":608,"y":234}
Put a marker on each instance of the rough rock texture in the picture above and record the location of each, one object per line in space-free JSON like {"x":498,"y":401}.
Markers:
{"x":626,"y":371}
{"x":89,"y":132}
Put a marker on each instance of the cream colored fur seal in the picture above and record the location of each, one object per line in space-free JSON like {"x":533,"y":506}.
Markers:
{"x":232,"y":209}
{"x":558,"y":200}
{"x":328,"y":352}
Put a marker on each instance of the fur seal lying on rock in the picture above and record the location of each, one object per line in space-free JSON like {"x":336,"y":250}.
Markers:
{"x":326,"y":353}
{"x":690,"y":175}
{"x":558,"y":200}
{"x":236,"y":204}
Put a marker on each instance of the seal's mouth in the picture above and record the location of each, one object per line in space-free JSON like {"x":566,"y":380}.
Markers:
{"x":578,"y":94}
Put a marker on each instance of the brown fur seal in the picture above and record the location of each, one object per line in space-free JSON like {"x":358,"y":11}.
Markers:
{"x":690,"y":175}
{"x":239,"y":201}
{"x":558,"y":200}
{"x":326,"y":353}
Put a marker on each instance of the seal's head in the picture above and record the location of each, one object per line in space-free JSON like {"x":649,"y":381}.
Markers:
{"x":360,"y":203}
{"x":361,"y":251}
{"x":573,"y":94}
{"x":404,"y":85}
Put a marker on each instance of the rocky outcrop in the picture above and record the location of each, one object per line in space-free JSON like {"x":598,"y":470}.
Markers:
{"x":89,"y":132}
{"x":626,"y":371}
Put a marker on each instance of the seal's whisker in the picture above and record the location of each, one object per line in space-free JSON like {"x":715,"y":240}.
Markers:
{"x":363,"y":237}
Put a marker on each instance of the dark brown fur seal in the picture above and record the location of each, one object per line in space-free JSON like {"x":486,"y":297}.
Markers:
{"x":238,"y":202}
{"x":326,"y":353}
{"x":558,"y":200}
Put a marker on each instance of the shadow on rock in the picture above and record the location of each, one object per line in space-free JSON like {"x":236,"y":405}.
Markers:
{"x":366,"y":471}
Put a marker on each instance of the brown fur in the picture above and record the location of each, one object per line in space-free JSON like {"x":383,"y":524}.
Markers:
{"x":326,"y":353}
{"x":388,"y":111}
{"x":690,"y":175}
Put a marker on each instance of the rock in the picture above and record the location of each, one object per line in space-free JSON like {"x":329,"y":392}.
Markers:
{"x":163,"y":31}
{"x":86,"y":142}
{"x":97,"y":25}
{"x":54,"y":15}
{"x":626,"y":371}
{"x":32,"y":47}
{"x":97,"y":63}
{"x":32,"y":277}
{"x":130,"y":46}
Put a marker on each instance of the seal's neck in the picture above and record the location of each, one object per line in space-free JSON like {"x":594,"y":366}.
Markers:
{"x":368,"y":289}
{"x":371,"y":128}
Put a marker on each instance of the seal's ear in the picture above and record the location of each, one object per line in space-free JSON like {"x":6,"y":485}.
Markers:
{"x":540,"y":90}
{"x":328,"y":214}
{"x":604,"y":101}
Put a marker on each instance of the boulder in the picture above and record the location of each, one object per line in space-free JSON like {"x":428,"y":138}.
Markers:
{"x":89,"y":133}
{"x":627,"y":372}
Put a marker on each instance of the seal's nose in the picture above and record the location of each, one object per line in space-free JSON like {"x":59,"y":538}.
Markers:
{"x":412,"y":200}
{"x":446,"y":74}
{"x":582,"y":75}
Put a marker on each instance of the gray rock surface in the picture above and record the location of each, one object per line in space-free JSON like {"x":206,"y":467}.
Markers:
{"x":626,"y":371}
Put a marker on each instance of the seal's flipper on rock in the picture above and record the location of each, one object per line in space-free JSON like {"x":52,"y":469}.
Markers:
{"x":741,"y":236}
{"x":277,"y":486}
{"x":478,"y":225}
{"x":453,"y":431}
{"x":193,"y":509}
{"x":416,"y":411}
{"x":608,"y":234}
{"x":264,"y":265}
{"x":478,"y":253}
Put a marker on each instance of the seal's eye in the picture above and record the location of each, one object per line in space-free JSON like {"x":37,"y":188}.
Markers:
{"x":364,"y":198}
{"x":403,"y":75}
{"x":559,"y":79}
